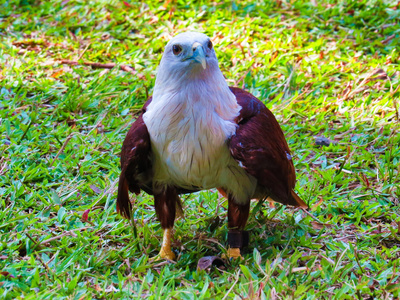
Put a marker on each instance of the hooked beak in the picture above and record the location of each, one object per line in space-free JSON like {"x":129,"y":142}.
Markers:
{"x":199,"y":55}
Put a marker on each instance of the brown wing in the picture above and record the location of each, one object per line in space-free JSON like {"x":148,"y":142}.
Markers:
{"x":136,"y":167}
{"x":260,"y":147}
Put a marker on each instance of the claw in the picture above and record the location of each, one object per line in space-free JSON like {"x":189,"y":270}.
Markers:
{"x":234,"y":253}
{"x":167,"y":254}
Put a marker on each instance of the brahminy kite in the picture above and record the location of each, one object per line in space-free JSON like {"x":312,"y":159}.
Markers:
{"x":197,"y":133}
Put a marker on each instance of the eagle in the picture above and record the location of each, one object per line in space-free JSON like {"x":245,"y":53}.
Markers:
{"x":196,"y":133}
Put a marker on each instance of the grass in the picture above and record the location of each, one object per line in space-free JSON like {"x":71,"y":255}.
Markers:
{"x":325,"y":68}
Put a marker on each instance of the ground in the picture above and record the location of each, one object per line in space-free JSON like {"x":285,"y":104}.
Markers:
{"x":329,"y":70}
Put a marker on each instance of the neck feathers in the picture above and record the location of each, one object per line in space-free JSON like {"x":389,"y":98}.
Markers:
{"x":206,"y":88}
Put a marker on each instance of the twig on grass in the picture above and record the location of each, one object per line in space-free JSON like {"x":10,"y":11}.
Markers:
{"x":62,"y":148}
{"x":34,"y":242}
{"x":164,"y":263}
{"x":125,"y":68}
{"x":44,"y":265}
{"x":70,"y":232}
{"x":312,"y":216}
{"x":388,"y":39}
{"x":360,"y":85}
{"x":340,"y":259}
{"x":98,"y":123}
{"x":357,"y":260}
{"x":83,"y":52}
{"x":2,"y":167}
{"x":233,"y":285}
{"x":300,"y":269}
{"x":54,"y":256}
{"x":286,"y":87}
{"x":25,"y":132}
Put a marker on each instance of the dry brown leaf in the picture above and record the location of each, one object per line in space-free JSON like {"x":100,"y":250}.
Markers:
{"x":57,"y":74}
{"x":97,"y":288}
{"x":319,"y":226}
{"x":206,"y":262}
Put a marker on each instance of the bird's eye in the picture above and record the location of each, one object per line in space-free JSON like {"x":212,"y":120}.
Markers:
{"x":176,"y":49}
{"x":209,"y":45}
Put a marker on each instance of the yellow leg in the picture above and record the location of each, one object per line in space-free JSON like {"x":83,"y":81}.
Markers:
{"x":166,"y":251}
{"x":234,"y":253}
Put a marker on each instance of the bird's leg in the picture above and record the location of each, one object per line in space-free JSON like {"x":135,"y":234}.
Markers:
{"x":237,"y":219}
{"x":165,"y":205}
{"x":166,"y":251}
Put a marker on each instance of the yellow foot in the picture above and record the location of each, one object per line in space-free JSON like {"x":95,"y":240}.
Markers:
{"x":166,"y":253}
{"x":234,"y":253}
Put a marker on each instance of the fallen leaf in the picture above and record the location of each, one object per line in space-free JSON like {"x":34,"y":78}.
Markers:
{"x":7,"y":274}
{"x":57,"y":74}
{"x":319,"y":226}
{"x":85,"y":215}
{"x":95,"y":189}
{"x":323,"y":141}
{"x":206,"y":262}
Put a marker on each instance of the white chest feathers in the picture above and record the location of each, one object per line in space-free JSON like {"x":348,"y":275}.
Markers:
{"x":189,"y":142}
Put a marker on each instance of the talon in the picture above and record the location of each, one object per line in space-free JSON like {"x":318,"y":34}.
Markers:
{"x":167,"y":254}
{"x":234,"y":253}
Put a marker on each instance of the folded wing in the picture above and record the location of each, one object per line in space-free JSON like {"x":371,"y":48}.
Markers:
{"x":136,"y":167}
{"x":259,"y":146}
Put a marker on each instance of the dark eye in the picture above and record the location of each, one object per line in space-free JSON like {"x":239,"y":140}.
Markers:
{"x":176,"y":49}
{"x":209,"y":45}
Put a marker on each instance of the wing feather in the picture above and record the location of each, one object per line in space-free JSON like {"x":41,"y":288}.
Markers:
{"x":260,"y":147}
{"x":136,"y":167}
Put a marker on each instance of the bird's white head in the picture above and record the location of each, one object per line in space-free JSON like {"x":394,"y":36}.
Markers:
{"x":189,"y":57}
{"x":189,"y":52}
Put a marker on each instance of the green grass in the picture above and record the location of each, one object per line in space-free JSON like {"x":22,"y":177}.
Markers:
{"x":62,"y":126}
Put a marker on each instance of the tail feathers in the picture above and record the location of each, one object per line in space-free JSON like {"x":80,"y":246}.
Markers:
{"x":298,"y":200}
{"x":124,"y":206}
